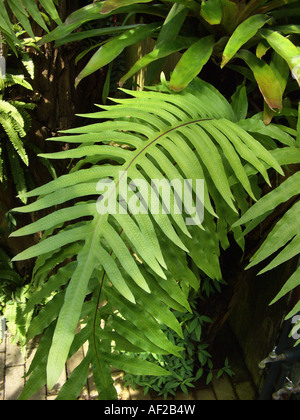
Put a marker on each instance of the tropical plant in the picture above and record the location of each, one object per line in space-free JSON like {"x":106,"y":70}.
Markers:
{"x":225,"y":32}
{"x":195,"y":362}
{"x":22,"y":12}
{"x":13,"y":297}
{"x":10,"y":280}
{"x":283,"y":240}
{"x":15,"y":122}
{"x":106,"y":262}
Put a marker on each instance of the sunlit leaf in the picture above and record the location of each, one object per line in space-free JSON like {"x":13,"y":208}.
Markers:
{"x":192,"y":63}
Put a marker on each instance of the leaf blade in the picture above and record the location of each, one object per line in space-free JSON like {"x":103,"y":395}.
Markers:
{"x":191,"y":63}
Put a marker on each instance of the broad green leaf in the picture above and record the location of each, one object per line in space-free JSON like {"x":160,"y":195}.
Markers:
{"x":285,"y":48}
{"x":164,"y":50}
{"x":267,"y":81}
{"x":111,"y":5}
{"x":50,"y":8}
{"x":172,"y":25}
{"x":262,"y":48}
{"x":191,"y":63}
{"x":241,"y":35}
{"x":93,"y":33}
{"x":22,"y":16}
{"x":168,"y":34}
{"x":212,"y":11}
{"x":230,"y":15}
{"x":239,"y":102}
{"x":35,"y":13}
{"x":109,"y":51}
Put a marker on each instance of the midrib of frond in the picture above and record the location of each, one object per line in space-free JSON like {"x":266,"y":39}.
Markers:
{"x":89,"y":251}
{"x":97,"y":231}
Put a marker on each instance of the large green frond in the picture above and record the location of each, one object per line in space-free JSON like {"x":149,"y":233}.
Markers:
{"x":134,"y":259}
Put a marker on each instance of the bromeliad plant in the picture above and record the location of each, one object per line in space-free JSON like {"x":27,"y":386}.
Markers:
{"x":238,"y":34}
{"x":89,"y":265}
{"x":228,"y":33}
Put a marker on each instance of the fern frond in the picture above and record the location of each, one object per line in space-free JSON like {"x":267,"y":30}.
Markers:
{"x":136,"y":261}
{"x":14,"y":132}
{"x":284,"y":237}
{"x":11,"y":110}
{"x":17,"y":172}
{"x":12,"y":79}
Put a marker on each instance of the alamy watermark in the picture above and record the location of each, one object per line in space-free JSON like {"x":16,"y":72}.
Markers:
{"x":157,"y":196}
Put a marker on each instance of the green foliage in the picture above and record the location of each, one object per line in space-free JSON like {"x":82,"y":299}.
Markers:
{"x":13,"y":297}
{"x":22,"y":13}
{"x":223,"y":32}
{"x":194,"y":363}
{"x":126,"y":279}
{"x":10,"y":280}
{"x":283,"y":240}
{"x":15,"y":121}
{"x":123,"y":275}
